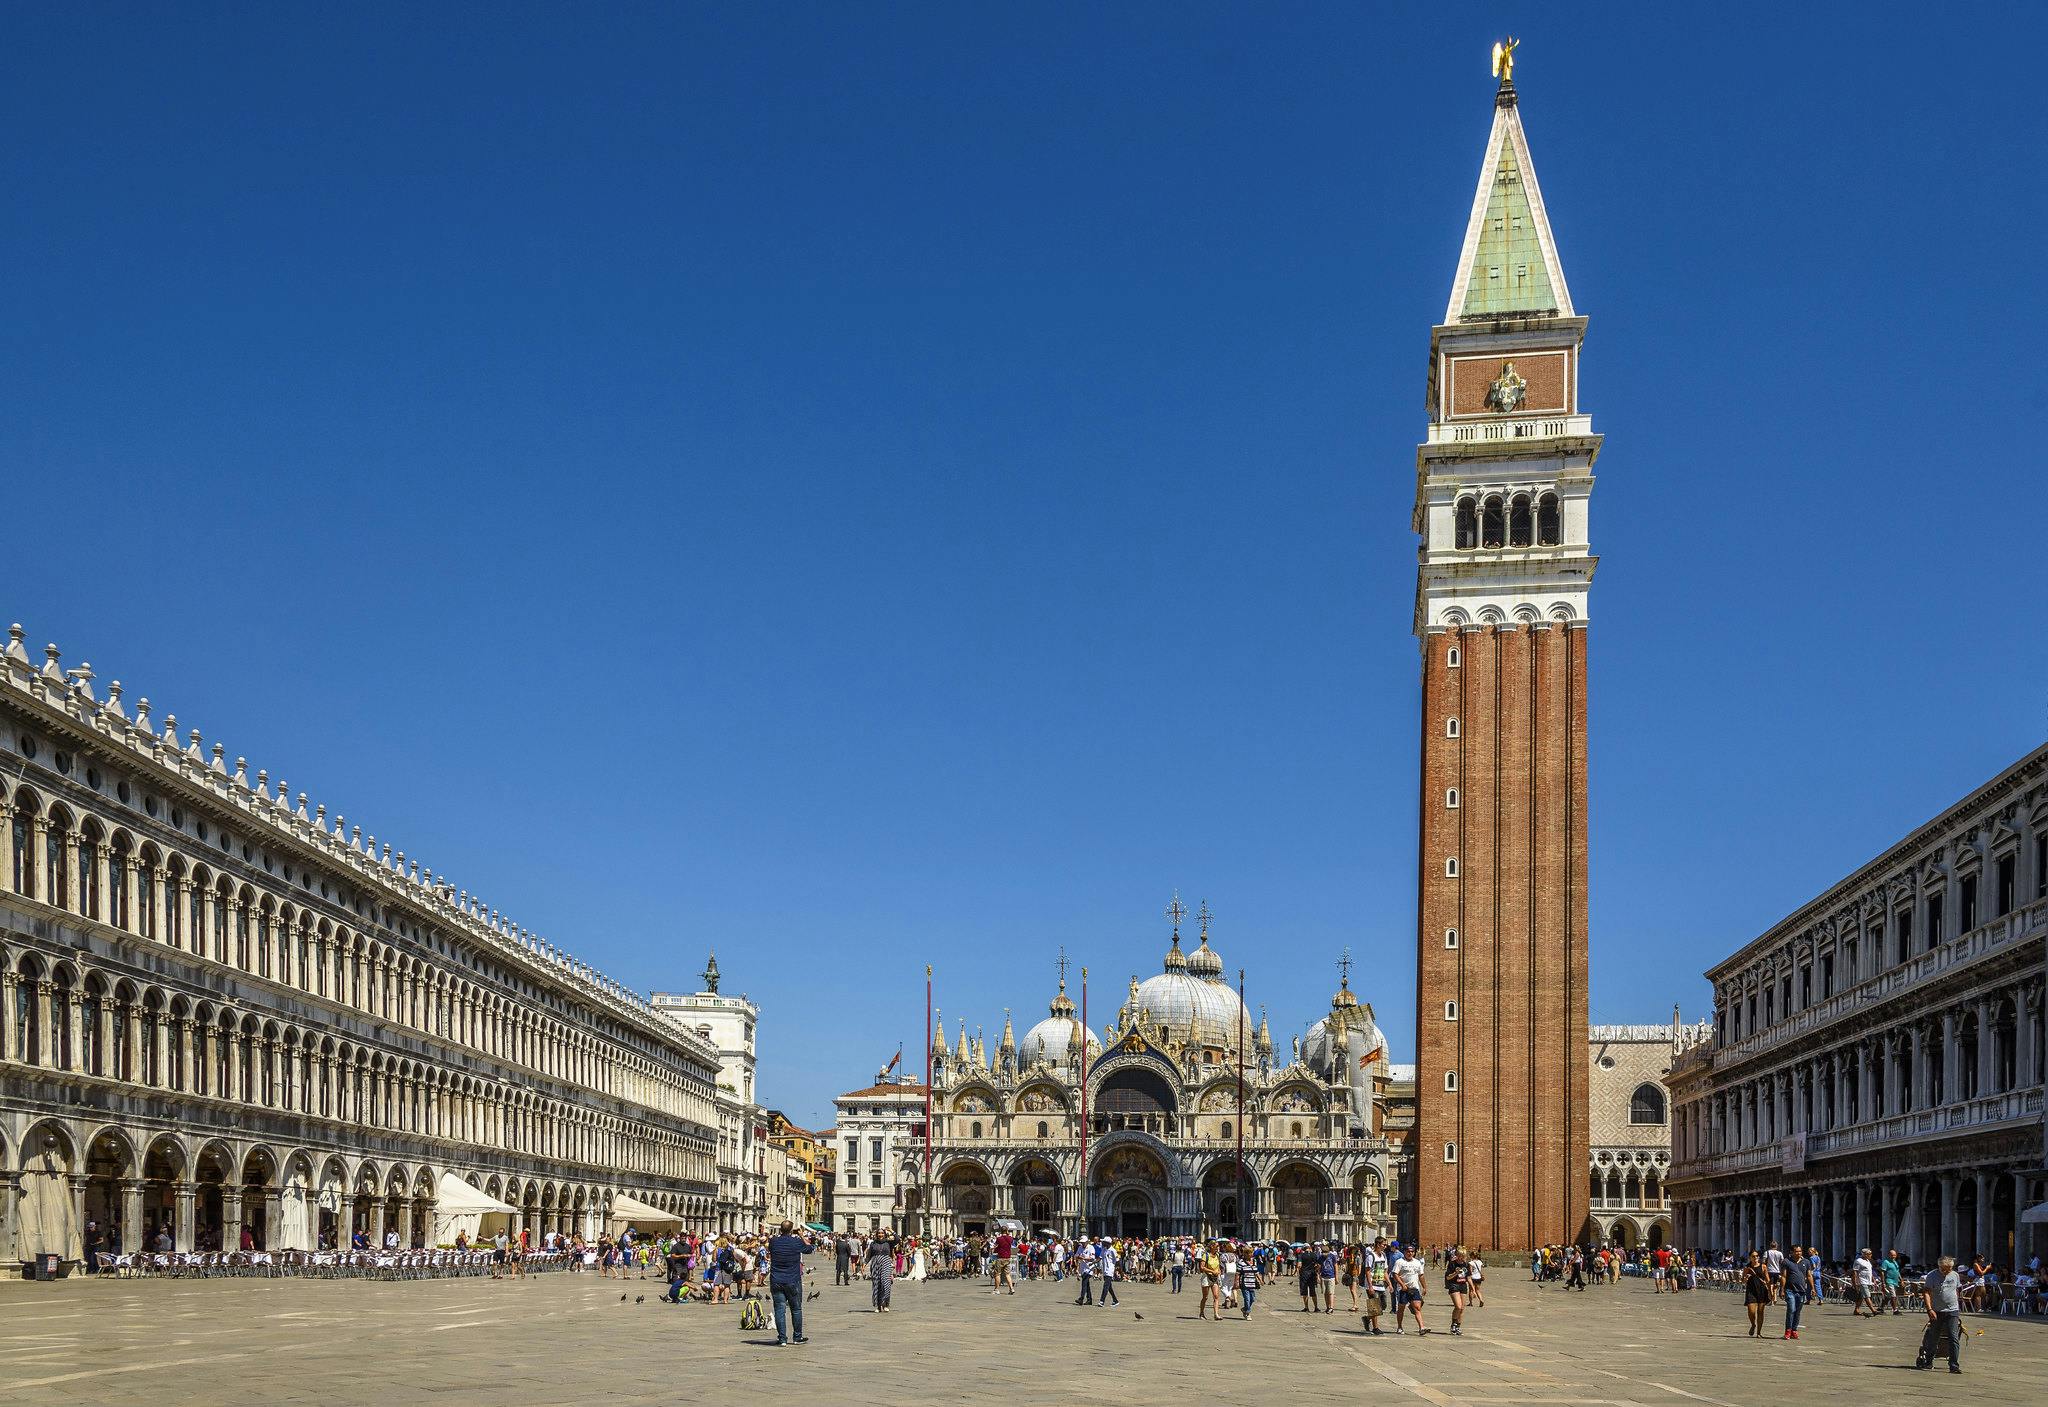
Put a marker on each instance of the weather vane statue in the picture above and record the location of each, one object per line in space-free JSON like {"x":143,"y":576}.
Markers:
{"x":1504,"y":59}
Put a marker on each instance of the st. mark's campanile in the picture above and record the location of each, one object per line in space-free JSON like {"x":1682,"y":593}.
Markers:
{"x":1502,"y":488}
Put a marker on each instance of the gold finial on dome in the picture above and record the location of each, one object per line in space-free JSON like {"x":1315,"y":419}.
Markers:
{"x":1344,"y":997}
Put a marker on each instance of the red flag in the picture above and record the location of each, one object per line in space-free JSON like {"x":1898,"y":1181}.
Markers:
{"x":1377,"y":1052}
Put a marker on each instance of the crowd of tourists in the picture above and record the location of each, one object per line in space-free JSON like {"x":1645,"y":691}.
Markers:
{"x":1373,"y":1280}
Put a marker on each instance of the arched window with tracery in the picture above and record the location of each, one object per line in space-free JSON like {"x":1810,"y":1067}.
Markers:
{"x":1646,"y":1106}
{"x":24,"y":849}
{"x":118,"y":860}
{"x":1547,"y":534}
{"x":57,"y":859}
{"x":1519,"y":534}
{"x":1493,"y":524}
{"x":89,"y":836}
{"x":1467,"y":523}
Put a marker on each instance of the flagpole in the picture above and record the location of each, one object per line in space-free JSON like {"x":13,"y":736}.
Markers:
{"x":924,"y":1207}
{"x":1084,"y":1101}
{"x":1240,"y":1104}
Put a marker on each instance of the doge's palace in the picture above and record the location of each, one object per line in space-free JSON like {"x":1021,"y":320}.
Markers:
{"x":239,"y":1020}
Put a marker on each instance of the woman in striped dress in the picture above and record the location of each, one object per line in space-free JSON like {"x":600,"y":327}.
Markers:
{"x":882,"y":1268}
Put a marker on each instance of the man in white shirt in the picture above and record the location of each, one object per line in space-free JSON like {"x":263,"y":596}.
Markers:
{"x":1084,"y":1271}
{"x":1774,"y":1269}
{"x":1411,"y":1278}
{"x":1862,"y":1272}
{"x":1105,"y":1263}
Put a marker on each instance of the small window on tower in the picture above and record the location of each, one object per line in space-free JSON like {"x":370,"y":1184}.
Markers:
{"x":1454,"y":658}
{"x":1450,"y":727}
{"x":1450,"y":1011}
{"x":1450,"y":937}
{"x":1450,"y":1152}
{"x":1521,"y":273}
{"x":1451,"y":799}
{"x":1493,"y":273}
{"x":1450,"y":1081}
{"x":1451,"y":867}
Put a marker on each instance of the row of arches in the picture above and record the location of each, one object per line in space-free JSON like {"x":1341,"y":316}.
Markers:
{"x":79,"y":1189}
{"x":66,"y":1015}
{"x":97,"y":869}
{"x":1137,"y":1186}
{"x":1518,"y":518}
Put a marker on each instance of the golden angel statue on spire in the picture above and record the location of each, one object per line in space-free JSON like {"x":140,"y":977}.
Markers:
{"x":1504,"y":59}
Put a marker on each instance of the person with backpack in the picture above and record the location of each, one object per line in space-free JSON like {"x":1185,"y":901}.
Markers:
{"x":785,"y":1256}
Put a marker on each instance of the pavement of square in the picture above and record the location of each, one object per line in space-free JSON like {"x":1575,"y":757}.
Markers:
{"x":569,"y":1338}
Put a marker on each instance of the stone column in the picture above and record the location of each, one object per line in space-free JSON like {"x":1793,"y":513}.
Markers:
{"x":1985,"y":1055}
{"x":1951,"y":1060}
{"x":1919,"y":1072}
{"x":183,"y":1228}
{"x":1951,"y":1233}
{"x":131,"y":1215}
{"x":273,"y":1220}
{"x":9,"y":1036}
{"x":377,"y":1221}
{"x":230,"y":1217}
{"x":1911,"y":1241}
{"x":74,"y":1245}
{"x":1980,"y":1224}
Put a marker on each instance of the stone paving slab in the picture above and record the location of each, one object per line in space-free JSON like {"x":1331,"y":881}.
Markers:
{"x":568,"y":1338}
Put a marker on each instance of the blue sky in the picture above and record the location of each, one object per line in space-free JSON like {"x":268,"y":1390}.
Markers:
{"x":855,"y":486}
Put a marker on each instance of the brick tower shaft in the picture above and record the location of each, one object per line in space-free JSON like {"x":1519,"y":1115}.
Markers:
{"x":1503,"y":487}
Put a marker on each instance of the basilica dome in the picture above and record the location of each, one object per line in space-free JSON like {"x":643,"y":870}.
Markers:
{"x":1201,"y":1008}
{"x":1347,"y":1044}
{"x":1052,"y":1039}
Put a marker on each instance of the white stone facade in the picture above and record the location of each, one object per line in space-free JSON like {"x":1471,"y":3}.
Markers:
{"x":221,"y":1012}
{"x":876,"y":1127}
{"x":1165,"y":1120}
{"x":1877,"y":1067}
{"x":1630,"y":1122}
{"x":750,"y":1173}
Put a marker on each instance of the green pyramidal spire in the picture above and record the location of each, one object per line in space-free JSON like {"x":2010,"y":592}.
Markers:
{"x":1509,"y":266}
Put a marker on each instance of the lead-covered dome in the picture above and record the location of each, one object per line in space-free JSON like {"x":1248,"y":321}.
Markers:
{"x":1060,"y":1033}
{"x":1347,"y":1044}
{"x":1201,"y":1009}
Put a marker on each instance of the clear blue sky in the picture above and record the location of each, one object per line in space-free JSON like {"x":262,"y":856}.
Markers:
{"x":861,"y":485}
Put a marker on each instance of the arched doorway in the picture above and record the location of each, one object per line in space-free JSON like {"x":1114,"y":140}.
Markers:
{"x":1034,"y":1193}
{"x":259,"y":1170}
{"x":1298,"y":1201}
{"x":1223,"y":1191}
{"x":162,"y":1166}
{"x":211,"y":1173}
{"x":1126,"y":1170}
{"x":968,"y":1194}
{"x":295,"y":1206}
{"x":108,"y":1163}
{"x":47,"y":1222}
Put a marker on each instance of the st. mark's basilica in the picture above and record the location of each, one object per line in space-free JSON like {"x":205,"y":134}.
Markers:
{"x":1195,"y":1124}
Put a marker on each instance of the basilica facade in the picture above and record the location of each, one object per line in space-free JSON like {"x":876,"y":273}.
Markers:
{"x":1178,"y":1118}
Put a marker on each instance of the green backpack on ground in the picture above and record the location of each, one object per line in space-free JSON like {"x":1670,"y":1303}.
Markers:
{"x":751,"y":1317}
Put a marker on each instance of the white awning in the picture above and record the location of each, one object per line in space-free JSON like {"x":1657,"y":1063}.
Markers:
{"x":453,"y":1197}
{"x":2035,"y":1216}
{"x":631,"y":1211}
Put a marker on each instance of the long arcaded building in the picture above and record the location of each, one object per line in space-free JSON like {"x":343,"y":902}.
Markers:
{"x":232,"y":1017}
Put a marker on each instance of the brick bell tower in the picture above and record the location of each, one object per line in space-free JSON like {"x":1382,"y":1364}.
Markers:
{"x":1502,"y":487}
